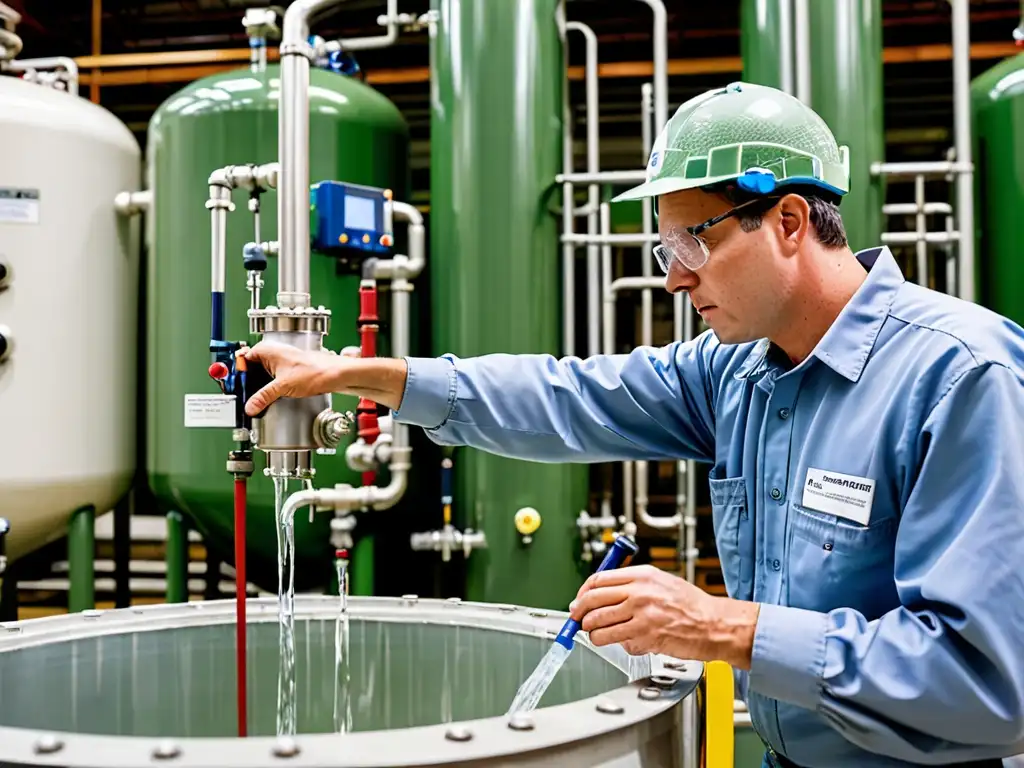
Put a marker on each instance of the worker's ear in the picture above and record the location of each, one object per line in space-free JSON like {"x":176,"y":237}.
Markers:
{"x":794,"y":222}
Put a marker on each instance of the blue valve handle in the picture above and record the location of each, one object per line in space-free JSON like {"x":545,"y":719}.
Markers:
{"x":622,"y":548}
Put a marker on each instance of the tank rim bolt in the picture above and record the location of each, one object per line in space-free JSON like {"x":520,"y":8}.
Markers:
{"x":649,"y":693}
{"x":10,"y":628}
{"x":458,"y":733}
{"x":91,"y":614}
{"x":608,"y":707}
{"x":520,"y":721}
{"x":663,"y":681}
{"x":166,"y":750}
{"x":47,"y":744}
{"x":286,"y":747}
{"x":539,"y":614}
{"x":675,"y":664}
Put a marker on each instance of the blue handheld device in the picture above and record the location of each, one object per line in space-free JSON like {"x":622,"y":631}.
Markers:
{"x":622,"y":548}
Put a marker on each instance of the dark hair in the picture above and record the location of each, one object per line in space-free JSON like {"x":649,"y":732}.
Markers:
{"x":825,"y":219}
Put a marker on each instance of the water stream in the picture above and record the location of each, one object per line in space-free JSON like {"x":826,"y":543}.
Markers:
{"x":286,"y":702}
{"x":342,"y":665}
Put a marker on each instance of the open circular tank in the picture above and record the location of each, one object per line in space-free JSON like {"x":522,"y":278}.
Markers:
{"x":429,"y":684}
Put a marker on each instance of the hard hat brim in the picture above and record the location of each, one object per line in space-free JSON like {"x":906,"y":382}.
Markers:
{"x":667,"y":186}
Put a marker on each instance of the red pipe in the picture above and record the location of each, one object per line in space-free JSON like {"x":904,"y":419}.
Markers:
{"x":240,"y":624}
{"x":366,"y":418}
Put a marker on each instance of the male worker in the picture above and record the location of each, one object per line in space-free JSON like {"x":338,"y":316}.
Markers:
{"x":866,"y":438}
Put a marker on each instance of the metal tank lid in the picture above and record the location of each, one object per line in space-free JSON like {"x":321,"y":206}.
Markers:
{"x":591,"y":731}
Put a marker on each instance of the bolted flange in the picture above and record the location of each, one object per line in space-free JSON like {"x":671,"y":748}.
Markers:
{"x":608,"y":707}
{"x":649,"y":693}
{"x":458,"y":733}
{"x":48,"y":744}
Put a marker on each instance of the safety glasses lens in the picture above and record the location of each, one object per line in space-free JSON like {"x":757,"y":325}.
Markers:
{"x":687,"y":250}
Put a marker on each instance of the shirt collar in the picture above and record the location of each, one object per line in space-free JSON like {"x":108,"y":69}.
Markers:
{"x":847,"y":344}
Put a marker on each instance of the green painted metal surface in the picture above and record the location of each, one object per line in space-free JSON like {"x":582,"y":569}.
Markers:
{"x":496,"y":146}
{"x":997,"y":98}
{"x":81,"y":560}
{"x":356,"y":135}
{"x":846,"y":90}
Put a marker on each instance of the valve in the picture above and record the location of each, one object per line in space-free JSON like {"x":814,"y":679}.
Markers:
{"x":254,"y":258}
{"x":527,"y":521}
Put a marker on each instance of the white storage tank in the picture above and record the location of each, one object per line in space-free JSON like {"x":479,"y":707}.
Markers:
{"x":68,"y":310}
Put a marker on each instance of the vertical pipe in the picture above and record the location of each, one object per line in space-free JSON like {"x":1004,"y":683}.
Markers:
{"x":802,"y":48}
{"x":922,"y":230}
{"x":785,"y":11}
{"x":660,"y":34}
{"x":293,"y":155}
{"x":177,"y":558}
{"x":593,"y":190}
{"x":646,"y":296}
{"x":961,"y":21}
{"x":607,"y":337}
{"x":81,"y":560}
{"x":568,"y":198}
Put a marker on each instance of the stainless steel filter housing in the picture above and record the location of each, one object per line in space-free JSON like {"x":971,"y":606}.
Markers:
{"x":429,"y":683}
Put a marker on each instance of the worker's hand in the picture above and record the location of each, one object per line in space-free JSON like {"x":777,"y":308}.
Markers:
{"x":297,"y":373}
{"x":647,"y":610}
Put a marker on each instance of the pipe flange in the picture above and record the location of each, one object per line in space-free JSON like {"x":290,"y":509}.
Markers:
{"x":287,"y":319}
{"x":303,"y":49}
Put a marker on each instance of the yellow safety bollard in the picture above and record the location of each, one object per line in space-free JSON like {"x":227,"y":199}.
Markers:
{"x":719,"y":736}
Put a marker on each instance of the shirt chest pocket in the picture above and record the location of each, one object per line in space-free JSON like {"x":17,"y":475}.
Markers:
{"x":833,"y":563}
{"x":734,"y":535}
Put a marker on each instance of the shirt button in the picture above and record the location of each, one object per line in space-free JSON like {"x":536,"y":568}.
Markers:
{"x":776,"y":564}
{"x":776,"y":494}
{"x":783,"y":413}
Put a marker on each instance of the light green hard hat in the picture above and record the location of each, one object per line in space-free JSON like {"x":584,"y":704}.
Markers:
{"x":758,"y":138}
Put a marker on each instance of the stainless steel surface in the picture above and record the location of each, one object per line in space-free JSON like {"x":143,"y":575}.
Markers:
{"x":910,"y":238}
{"x":447,"y":540}
{"x":219,"y":203}
{"x":295,"y":464}
{"x":405,"y":266}
{"x":287,"y":425}
{"x":164,"y":672}
{"x":366,"y":43}
{"x":927,"y":167}
{"x":293,"y":154}
{"x":310,"y":320}
{"x":961,"y":23}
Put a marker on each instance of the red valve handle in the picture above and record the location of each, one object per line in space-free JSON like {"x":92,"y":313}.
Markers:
{"x":219,"y":371}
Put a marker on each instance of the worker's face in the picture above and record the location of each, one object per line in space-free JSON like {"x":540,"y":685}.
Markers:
{"x":742,"y":290}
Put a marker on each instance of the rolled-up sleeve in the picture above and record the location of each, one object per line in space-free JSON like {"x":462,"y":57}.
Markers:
{"x":651,"y":403}
{"x":943,"y":675}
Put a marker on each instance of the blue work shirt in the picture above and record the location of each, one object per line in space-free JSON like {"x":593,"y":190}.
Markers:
{"x":870,"y":498}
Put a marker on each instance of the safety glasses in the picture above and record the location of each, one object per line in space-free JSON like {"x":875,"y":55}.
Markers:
{"x":688,"y":247}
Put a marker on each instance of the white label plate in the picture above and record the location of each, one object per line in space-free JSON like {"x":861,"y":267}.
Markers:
{"x":19,"y":206}
{"x":846,"y":496}
{"x":210,"y":411}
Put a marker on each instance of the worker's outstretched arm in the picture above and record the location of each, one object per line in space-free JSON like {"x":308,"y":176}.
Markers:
{"x":946,"y":670}
{"x":651,"y":403}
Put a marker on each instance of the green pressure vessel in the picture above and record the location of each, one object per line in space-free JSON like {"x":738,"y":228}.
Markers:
{"x":496,"y":147}
{"x":356,"y":135}
{"x":846,"y":89}
{"x":997,"y":101}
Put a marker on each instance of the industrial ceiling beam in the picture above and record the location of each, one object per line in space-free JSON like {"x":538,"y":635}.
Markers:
{"x":228,"y":59}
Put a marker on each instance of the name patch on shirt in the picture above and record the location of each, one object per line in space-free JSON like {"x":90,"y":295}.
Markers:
{"x":841,"y":495}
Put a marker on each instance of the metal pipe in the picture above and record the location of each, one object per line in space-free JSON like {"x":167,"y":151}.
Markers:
{"x":607,"y":315}
{"x":961,"y":23}
{"x":802,"y":25}
{"x":604,"y":177}
{"x":593,"y":190}
{"x":907,"y":209}
{"x":49,"y":62}
{"x":609,"y":239}
{"x":133,"y":203}
{"x":909,"y":238}
{"x":928,"y":168}
{"x":366,"y":43}
{"x":660,"y":34}
{"x":10,"y":45}
{"x":786,"y":46}
{"x":293,"y":154}
{"x":632,"y":283}
{"x":405,"y":266}
{"x":921,"y":221}
{"x":568,"y":203}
